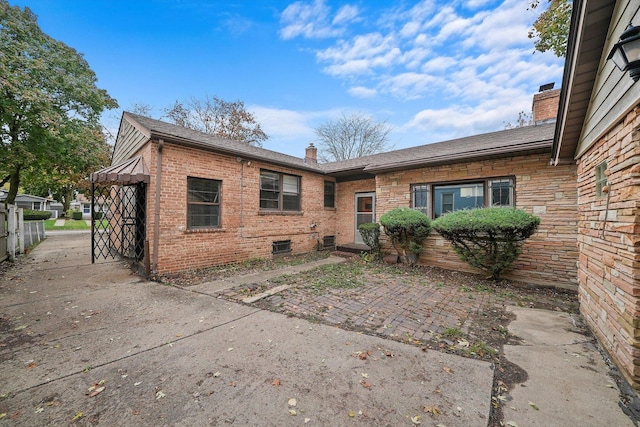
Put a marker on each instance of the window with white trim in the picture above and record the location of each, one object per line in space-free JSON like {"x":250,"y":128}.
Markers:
{"x":601,"y":179}
{"x":435,"y":200}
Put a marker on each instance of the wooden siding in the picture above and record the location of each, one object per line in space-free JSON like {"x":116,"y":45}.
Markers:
{"x":130,"y":139}
{"x":614,"y":93}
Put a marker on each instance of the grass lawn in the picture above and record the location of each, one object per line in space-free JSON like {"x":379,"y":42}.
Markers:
{"x":69,"y":224}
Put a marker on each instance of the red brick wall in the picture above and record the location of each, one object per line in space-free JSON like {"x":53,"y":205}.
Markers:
{"x":346,"y":200}
{"x":246,"y":232}
{"x":545,"y":105}
{"x":609,"y":263}
{"x":549,"y":257}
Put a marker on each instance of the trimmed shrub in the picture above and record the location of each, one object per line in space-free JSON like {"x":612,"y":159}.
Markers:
{"x":98,"y":214}
{"x":76,"y":215}
{"x":370,"y":233}
{"x":31,"y":215}
{"x":487,"y":238}
{"x":406,"y":228}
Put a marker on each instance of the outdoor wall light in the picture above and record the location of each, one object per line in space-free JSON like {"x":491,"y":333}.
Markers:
{"x":626,"y":53}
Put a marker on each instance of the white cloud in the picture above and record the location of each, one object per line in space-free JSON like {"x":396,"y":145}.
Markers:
{"x":360,"y":55}
{"x":312,"y":20}
{"x":362,"y":92}
{"x":469,"y":62}
{"x":345,"y":15}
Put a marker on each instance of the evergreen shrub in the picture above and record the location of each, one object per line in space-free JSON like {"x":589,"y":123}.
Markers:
{"x":488,"y":238}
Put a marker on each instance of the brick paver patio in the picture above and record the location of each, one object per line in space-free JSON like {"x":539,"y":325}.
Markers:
{"x":416,"y":305}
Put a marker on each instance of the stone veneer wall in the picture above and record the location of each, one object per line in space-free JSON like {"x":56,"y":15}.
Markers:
{"x":549,"y":257}
{"x":609,"y":244}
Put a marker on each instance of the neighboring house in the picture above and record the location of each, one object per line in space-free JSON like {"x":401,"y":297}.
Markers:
{"x":598,"y":129}
{"x":201,"y":200}
{"x":27,"y":201}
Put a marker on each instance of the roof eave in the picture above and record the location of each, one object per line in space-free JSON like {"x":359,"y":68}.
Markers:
{"x":491,"y":153}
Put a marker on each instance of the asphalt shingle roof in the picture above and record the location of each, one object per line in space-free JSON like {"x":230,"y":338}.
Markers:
{"x":522,"y":140}
{"x":180,"y":134}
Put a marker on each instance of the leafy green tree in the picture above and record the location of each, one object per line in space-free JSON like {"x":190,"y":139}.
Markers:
{"x":46,"y":88}
{"x":487,"y":238}
{"x":218,"y":117}
{"x":406,"y":228}
{"x":85,"y":151}
{"x":551,"y":29}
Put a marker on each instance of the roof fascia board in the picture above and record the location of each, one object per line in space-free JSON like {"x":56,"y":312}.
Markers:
{"x":575,"y":33}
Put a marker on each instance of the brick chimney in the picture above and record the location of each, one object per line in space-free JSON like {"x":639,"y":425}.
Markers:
{"x":311,"y":154}
{"x":545,"y":104}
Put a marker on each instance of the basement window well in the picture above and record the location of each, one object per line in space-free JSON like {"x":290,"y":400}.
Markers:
{"x":281,"y":247}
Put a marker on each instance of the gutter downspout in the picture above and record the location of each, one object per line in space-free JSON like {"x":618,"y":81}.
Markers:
{"x":156,"y":220}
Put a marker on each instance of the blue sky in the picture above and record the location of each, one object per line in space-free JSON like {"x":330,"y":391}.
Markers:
{"x":434,"y":70}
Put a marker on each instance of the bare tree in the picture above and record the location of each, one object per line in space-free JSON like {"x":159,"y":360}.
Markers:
{"x":217,"y":117}
{"x":524,"y":119}
{"x":352,"y":136}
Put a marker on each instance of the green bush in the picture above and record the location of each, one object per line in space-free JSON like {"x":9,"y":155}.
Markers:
{"x":76,"y":215}
{"x":487,"y":238}
{"x":31,"y":215}
{"x":370,"y":233}
{"x":406,"y":228}
{"x":98,"y":214}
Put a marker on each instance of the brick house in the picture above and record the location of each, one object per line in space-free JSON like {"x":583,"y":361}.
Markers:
{"x":598,"y":129}
{"x":207,"y":200}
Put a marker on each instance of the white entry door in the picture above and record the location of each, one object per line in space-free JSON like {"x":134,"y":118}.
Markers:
{"x":365,"y":212}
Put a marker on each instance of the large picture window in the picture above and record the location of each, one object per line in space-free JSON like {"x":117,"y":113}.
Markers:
{"x":279,"y":191}
{"x":435,"y":200}
{"x":203,"y":203}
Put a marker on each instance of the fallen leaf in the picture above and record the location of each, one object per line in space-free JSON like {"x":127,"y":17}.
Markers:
{"x":216,"y":374}
{"x":234,"y":383}
{"x":352,"y":414}
{"x":230,"y":349}
{"x":77,"y":416}
{"x":365,"y":384}
{"x":2,"y":415}
{"x":512,"y":424}
{"x":31,"y":365}
{"x":137,"y":384}
{"x":160,"y":394}
{"x":293,"y":412}
{"x":533,"y":405}
{"x":463,"y":343}
{"x":97,"y":391}
{"x":306,"y":420}
{"x":276,"y":382}
{"x":433,"y":410}
{"x":416,"y":419}
{"x":292,"y":402}
{"x":38,"y":410}
{"x":365,"y":375}
{"x":447,"y":370}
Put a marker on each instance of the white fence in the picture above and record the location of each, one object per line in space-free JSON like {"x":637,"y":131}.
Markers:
{"x":20,"y":234}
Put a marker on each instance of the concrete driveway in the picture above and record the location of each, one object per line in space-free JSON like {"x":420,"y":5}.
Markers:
{"x":84,"y":344}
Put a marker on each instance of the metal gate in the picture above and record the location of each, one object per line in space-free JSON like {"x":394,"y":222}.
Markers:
{"x":118,"y":221}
